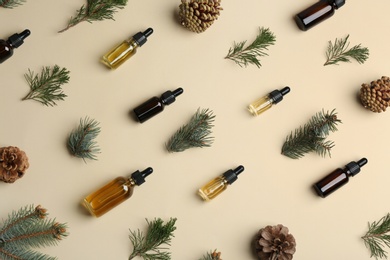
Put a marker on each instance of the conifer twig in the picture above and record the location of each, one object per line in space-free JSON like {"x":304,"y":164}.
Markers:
{"x":81,"y":142}
{"x":27,"y":229}
{"x":312,"y":136}
{"x":11,"y":3}
{"x":378,"y":236}
{"x":194,"y":134}
{"x":213,"y":255}
{"x":46,"y":87}
{"x":149,"y":246}
{"x":95,"y":10}
{"x":339,"y":52}
{"x":251,"y":54}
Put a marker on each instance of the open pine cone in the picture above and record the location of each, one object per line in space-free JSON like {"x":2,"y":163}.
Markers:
{"x":198,"y":15}
{"x":13,"y":164}
{"x":274,"y":243}
{"x":376,"y":95}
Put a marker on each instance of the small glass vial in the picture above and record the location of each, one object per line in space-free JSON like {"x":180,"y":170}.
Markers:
{"x":317,"y":13}
{"x":155,"y":105}
{"x":114,"y":193}
{"x":262,"y":104}
{"x":7,"y":47}
{"x":219,"y":184}
{"x":121,"y":53}
{"x":338,"y":178}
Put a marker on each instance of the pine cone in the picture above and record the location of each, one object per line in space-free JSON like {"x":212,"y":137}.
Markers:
{"x":198,"y":15}
{"x":376,"y":95}
{"x":13,"y":164}
{"x":274,"y":242}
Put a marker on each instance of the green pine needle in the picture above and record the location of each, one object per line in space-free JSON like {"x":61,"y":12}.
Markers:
{"x":339,"y":52}
{"x":46,"y":87}
{"x":378,"y":237}
{"x":212,"y":255}
{"x":312,"y":136}
{"x":11,"y":3}
{"x":158,"y":237}
{"x":96,"y":10}
{"x":251,"y":54}
{"x":194,"y":134}
{"x":81,"y":142}
{"x":26,"y":229}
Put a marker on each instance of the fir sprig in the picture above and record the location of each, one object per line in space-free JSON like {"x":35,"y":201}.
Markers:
{"x":378,"y":236}
{"x":194,"y":134}
{"x":213,"y":255}
{"x":11,"y":3}
{"x":95,"y":10}
{"x":81,"y":142}
{"x":339,"y":52}
{"x":312,"y":136}
{"x":46,"y":87}
{"x":27,"y":229}
{"x":251,"y":54}
{"x":149,"y":246}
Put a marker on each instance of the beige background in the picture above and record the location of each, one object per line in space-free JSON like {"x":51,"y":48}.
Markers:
{"x":273,"y":189}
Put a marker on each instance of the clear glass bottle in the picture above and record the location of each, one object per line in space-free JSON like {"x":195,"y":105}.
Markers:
{"x":317,"y":13}
{"x":7,"y":47}
{"x":114,"y":193}
{"x":219,"y":184}
{"x":155,"y":105}
{"x":121,"y":53}
{"x":262,"y":104}
{"x":338,"y":178}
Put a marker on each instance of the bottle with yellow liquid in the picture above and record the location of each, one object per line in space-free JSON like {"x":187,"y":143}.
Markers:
{"x":114,"y":192}
{"x":121,"y":53}
{"x":263,"y":104}
{"x":219,"y":184}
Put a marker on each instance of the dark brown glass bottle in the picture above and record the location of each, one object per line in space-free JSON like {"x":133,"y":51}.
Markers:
{"x":317,"y":13}
{"x":7,"y":47}
{"x":155,"y":105}
{"x":338,"y":178}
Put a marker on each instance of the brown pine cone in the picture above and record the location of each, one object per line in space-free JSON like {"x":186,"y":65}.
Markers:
{"x":198,"y":15}
{"x":376,"y":95}
{"x":13,"y":164}
{"x":274,"y":243}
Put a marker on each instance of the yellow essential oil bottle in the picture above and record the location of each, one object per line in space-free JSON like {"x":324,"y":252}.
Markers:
{"x":263,"y":104}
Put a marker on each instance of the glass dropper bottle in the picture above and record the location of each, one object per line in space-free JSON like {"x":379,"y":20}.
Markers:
{"x":263,"y":104}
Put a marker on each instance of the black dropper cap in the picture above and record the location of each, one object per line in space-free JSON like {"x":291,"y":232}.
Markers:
{"x":231,"y":175}
{"x":277,"y":95}
{"x":17,"y":39}
{"x":339,"y":3}
{"x":139,"y":177}
{"x":142,"y":37}
{"x":169,"y":97}
{"x":353,"y":168}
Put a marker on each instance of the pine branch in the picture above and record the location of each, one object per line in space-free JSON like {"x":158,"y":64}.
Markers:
{"x":312,"y":136}
{"x":11,"y":3}
{"x":149,"y":247}
{"x":194,"y":134}
{"x":214,"y":255}
{"x":26,"y":229}
{"x":46,"y":87}
{"x":81,"y":142}
{"x":251,"y":54}
{"x":378,"y":236}
{"x":339,"y":52}
{"x":96,"y":10}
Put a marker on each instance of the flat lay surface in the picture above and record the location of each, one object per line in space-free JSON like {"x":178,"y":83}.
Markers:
{"x":273,"y":189}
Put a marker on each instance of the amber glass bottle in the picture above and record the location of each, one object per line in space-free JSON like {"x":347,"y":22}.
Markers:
{"x":7,"y":47}
{"x":317,"y":13}
{"x":114,"y":192}
{"x":216,"y":186}
{"x":338,"y":178}
{"x":263,"y":104}
{"x":121,"y":53}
